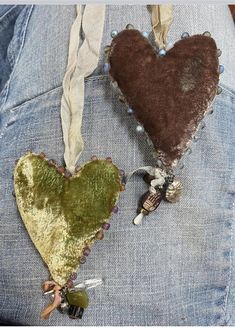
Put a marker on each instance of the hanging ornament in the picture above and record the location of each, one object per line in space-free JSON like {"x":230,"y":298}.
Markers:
{"x":64,"y":215}
{"x":169,"y":93}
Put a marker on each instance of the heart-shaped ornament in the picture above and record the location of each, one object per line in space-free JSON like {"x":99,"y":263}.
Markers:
{"x":169,"y":94}
{"x":63,"y":214}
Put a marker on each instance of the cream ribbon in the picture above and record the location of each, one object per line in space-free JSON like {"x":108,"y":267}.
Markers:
{"x":82,"y":61}
{"x":162,"y":18}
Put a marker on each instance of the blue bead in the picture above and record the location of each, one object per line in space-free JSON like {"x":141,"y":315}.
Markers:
{"x":221,"y":69}
{"x":130,"y":111}
{"x":145,"y":34}
{"x":162,"y":52}
{"x":106,"y":68}
{"x":207,"y":34}
{"x":185,"y":35}
{"x":114,"y":33}
{"x":139,"y":129}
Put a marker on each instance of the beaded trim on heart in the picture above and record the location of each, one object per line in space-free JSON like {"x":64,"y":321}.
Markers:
{"x":130,"y":59}
{"x":64,"y":215}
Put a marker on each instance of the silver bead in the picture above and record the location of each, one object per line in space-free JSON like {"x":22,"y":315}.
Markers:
{"x":140,"y":129}
{"x":129,"y":27}
{"x":149,"y":141}
{"x":114,"y":84}
{"x":219,"y":90}
{"x":185,"y":35}
{"x":221,"y":69}
{"x":122,"y":99}
{"x":206,"y":33}
{"x":145,"y":34}
{"x":130,"y":111}
{"x":106,"y":67}
{"x":162,"y":52}
{"x":159,"y":163}
{"x":219,"y":52}
{"x":114,"y":33}
{"x":181,"y":166}
{"x":189,"y":151}
{"x":195,"y":138}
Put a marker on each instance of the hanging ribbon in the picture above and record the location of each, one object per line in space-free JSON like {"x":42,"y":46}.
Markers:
{"x":162,"y":18}
{"x":82,"y":61}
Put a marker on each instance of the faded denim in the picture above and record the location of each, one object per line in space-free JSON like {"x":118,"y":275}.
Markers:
{"x":178,"y":267}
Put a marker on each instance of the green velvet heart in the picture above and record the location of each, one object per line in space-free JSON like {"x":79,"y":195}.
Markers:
{"x":63,"y":215}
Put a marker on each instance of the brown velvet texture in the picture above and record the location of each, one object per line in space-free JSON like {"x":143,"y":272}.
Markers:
{"x":169,"y":95}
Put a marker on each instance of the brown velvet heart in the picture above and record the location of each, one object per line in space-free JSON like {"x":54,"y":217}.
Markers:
{"x":169,"y":95}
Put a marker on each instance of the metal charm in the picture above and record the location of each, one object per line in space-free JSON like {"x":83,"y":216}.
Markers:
{"x":173,"y":191}
{"x":162,"y":186}
{"x":74,"y":299}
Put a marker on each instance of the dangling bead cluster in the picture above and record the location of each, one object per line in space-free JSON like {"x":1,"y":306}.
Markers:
{"x":163,"y":185}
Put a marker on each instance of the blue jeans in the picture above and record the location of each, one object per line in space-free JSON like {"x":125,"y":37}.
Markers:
{"x":178,"y":267}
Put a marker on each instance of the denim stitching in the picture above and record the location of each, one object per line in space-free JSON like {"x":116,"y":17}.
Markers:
{"x":25,"y":102}
{"x":18,"y":38}
{"x":19,"y":54}
{"x":228,"y":90}
{"x":7,"y":12}
{"x":230,"y":273}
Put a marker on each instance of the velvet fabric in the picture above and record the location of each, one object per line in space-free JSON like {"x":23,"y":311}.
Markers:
{"x":169,"y":95}
{"x":63,"y":214}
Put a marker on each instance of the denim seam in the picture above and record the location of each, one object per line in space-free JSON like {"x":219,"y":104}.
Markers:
{"x":19,"y":37}
{"x":230,"y":271}
{"x":95,"y":78}
{"x":19,"y":54}
{"x":227,"y":90}
{"x":25,"y":102}
{"x":7,"y":12}
{"x":226,"y":296}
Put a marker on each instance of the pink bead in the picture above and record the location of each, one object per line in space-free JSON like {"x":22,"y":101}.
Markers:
{"x":115,"y":209}
{"x":42,"y":155}
{"x":67,"y":174}
{"x":109,"y":159}
{"x":94,"y":158}
{"x":106,"y":226}
{"x":69,"y":283}
{"x":74,"y":276}
{"x":60,"y":169}
{"x":86,"y":251}
{"x":122,"y":172}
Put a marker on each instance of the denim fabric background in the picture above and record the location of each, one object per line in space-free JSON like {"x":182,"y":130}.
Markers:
{"x":178,"y":267}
